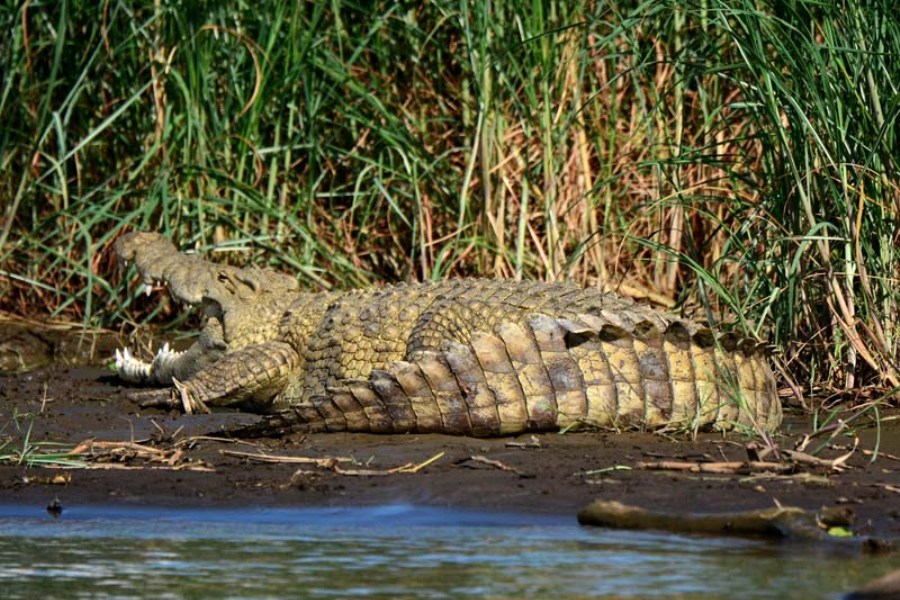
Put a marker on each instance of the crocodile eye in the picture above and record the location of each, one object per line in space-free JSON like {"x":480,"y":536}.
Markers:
{"x":227,"y":280}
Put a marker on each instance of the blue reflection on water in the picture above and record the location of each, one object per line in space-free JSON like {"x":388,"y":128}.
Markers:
{"x":391,"y":551}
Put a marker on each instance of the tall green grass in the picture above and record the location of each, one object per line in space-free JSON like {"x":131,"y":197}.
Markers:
{"x":736,"y":157}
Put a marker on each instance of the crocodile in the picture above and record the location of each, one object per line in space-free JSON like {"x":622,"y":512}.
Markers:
{"x":480,"y":357}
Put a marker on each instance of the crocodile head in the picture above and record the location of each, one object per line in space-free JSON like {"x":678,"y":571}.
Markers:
{"x":194,"y":281}
{"x":242,"y":306}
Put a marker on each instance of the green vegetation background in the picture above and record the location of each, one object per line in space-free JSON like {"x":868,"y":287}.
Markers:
{"x":734,"y":158}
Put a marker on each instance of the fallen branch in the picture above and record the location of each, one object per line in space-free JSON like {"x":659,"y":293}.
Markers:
{"x":778,"y":522}
{"x":784,"y":522}
{"x":836,"y":464}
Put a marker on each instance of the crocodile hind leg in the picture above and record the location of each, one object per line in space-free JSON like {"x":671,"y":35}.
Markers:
{"x":250,"y":377}
{"x":547,"y":374}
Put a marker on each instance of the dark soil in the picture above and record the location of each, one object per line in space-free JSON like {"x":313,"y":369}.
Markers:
{"x":550,"y":473}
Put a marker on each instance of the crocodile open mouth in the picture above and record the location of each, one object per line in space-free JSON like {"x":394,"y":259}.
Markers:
{"x":191,"y":282}
{"x":192,"y":288}
{"x":167,"y":360}
{"x":239,"y":306}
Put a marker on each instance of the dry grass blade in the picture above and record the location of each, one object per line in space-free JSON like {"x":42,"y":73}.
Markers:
{"x":200,"y":467}
{"x":325,"y":462}
{"x":416,"y":468}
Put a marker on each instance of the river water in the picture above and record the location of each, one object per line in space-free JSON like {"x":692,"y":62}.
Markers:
{"x":397,"y":551}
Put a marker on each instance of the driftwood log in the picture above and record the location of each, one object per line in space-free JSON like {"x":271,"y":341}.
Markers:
{"x":830,"y":525}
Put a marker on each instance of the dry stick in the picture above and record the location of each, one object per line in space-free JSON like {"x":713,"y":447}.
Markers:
{"x":176,"y":457}
{"x":148,"y":453}
{"x":407,"y":468}
{"x":332,"y":463}
{"x":162,"y":432}
{"x":715,"y":467}
{"x":89,"y":445}
{"x":838,"y":464}
{"x":282,"y":458}
{"x":209,"y":438}
{"x":534,"y":442}
{"x":494,"y":463}
{"x":420,"y":466}
{"x":881,"y":455}
{"x":834,"y":430}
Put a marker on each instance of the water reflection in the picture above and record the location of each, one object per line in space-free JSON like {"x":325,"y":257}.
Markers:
{"x":390,"y":552}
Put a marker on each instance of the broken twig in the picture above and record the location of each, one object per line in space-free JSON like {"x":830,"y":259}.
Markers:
{"x":730,"y":467}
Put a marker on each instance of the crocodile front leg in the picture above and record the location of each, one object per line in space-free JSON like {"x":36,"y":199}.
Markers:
{"x":251,"y":377}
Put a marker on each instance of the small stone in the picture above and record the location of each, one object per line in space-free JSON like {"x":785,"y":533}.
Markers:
{"x":55,"y":508}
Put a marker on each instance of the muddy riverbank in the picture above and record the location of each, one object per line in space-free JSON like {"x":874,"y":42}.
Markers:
{"x":152,"y":457}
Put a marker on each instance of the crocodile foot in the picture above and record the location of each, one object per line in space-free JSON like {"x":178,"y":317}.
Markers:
{"x":187,"y":399}
{"x":168,"y":399}
{"x":162,"y":398}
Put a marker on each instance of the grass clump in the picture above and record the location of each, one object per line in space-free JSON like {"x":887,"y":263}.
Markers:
{"x":736,"y":158}
{"x":18,"y":447}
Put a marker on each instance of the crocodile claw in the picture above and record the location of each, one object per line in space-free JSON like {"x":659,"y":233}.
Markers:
{"x":154,"y":398}
{"x":189,"y":403}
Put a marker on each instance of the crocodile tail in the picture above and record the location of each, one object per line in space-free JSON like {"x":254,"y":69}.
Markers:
{"x":606,"y":370}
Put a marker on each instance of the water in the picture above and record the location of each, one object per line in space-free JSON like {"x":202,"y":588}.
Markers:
{"x":392,"y":552}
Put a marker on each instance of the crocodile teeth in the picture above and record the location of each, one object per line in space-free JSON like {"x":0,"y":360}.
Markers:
{"x":130,"y":368}
{"x":165,"y":352}
{"x":122,"y":356}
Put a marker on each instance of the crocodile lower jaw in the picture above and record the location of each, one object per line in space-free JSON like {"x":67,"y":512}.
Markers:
{"x":135,"y":370}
